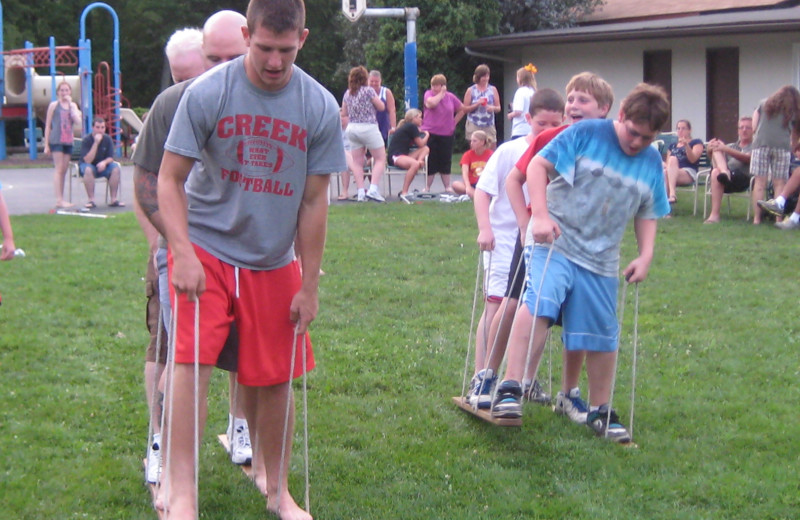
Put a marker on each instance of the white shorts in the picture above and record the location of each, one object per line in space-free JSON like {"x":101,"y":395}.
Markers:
{"x":496,"y":265}
{"x":363,"y":135}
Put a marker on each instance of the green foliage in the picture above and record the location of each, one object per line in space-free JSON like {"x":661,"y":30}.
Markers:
{"x":532,"y":15}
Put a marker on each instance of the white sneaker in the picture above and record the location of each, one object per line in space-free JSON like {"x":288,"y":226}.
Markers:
{"x":153,"y":470}
{"x":572,"y":406}
{"x":373,"y":194}
{"x":360,"y":197}
{"x":241,"y":450}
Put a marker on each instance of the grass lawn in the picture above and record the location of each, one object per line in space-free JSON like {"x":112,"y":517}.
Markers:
{"x":717,"y":383}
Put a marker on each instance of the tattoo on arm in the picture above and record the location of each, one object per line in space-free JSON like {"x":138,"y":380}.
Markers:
{"x":146,"y":184}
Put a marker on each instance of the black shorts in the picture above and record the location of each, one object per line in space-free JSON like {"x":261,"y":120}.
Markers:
{"x":516,"y":283}
{"x":739,"y":182}
{"x":440,"y":157}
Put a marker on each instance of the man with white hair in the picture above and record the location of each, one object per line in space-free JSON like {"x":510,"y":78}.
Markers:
{"x":220,"y":40}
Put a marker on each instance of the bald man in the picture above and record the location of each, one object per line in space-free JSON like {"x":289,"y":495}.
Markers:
{"x":221,"y":41}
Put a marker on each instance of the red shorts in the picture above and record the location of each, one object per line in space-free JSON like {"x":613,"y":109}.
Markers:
{"x":261,"y":313}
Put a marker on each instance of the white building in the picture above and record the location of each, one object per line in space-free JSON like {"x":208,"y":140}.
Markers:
{"x":717,"y":59}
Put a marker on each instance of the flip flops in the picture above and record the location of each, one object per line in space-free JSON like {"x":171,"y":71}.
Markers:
{"x":116,"y":204}
{"x":90,"y":205}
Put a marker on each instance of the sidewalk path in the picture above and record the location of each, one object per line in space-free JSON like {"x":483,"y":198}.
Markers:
{"x":30,"y":191}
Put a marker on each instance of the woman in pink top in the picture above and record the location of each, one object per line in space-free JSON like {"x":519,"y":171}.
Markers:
{"x":442,"y":111}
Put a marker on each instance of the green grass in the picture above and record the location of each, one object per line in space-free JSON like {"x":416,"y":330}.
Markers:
{"x":717,"y":393}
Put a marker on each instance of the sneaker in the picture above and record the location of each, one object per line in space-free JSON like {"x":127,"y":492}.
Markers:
{"x":607,"y":426}
{"x":508,"y":402}
{"x":771,"y":206}
{"x":481,"y":388}
{"x":405,"y":197}
{"x":361,"y":197}
{"x":787,"y":224}
{"x":535,"y":394}
{"x":446,"y":197}
{"x":464,"y":198}
{"x":241,"y":451}
{"x":153,"y":469}
{"x":373,"y":194}
{"x":572,"y":406}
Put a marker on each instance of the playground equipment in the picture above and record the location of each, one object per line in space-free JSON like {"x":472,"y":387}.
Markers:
{"x":28,"y":94}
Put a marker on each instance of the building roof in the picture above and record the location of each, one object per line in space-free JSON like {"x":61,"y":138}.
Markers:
{"x":736,"y":22}
{"x":619,"y":10}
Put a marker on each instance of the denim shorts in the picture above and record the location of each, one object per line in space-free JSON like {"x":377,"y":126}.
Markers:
{"x":586,"y":301}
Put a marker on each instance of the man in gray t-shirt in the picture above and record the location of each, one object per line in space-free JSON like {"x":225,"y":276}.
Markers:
{"x":269,"y":136}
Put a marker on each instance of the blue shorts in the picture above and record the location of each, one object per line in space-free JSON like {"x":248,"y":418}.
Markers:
{"x":587,"y":301}
{"x":105,"y":173}
{"x":63,"y":148}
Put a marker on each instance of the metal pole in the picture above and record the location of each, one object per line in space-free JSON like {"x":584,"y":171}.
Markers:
{"x":32,"y":152}
{"x":411,"y":14}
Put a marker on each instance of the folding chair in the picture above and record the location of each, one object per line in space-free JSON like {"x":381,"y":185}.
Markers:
{"x":703,"y":174}
{"x":73,"y":171}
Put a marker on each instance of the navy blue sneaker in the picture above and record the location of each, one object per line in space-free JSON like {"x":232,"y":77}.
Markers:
{"x":481,"y":388}
{"x":508,"y":402}
{"x":607,"y":425}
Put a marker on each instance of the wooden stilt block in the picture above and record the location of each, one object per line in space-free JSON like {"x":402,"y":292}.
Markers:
{"x":486,"y":415}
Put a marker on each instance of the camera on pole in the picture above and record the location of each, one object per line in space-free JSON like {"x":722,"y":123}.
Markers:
{"x":353,"y":9}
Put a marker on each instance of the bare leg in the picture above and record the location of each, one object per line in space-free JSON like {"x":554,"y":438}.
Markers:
{"x":88,"y":182}
{"x":152,"y":374}
{"x":520,"y":339}
{"x":178,"y":437}
{"x":446,"y":182}
{"x":483,"y":338}
{"x":759,"y":187}
{"x":267,"y":405}
{"x":600,"y":371}
{"x":499,"y":331}
{"x":571,"y":373}
{"x":379,"y":155}
{"x":61,"y":163}
{"x":358,"y":166}
{"x":113,"y":184}
{"x":717,"y":191}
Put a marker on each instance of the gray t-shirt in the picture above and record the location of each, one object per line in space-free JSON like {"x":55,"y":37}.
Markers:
{"x":257,"y":148}
{"x":771,"y":132}
{"x":150,"y":143}
{"x":735,"y":164}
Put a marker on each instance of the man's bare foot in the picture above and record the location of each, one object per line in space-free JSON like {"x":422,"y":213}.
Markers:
{"x":711,"y":220}
{"x":288,"y":509}
{"x":64,"y":204}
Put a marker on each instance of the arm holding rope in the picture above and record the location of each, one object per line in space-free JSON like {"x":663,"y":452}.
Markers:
{"x":187,"y":271}
{"x":312,"y":221}
{"x":645,"y":230}
{"x":545,"y":230}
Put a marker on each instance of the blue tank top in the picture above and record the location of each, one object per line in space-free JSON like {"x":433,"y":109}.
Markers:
{"x":481,"y":115}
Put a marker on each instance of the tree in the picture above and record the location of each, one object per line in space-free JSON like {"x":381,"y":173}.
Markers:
{"x":532,"y":15}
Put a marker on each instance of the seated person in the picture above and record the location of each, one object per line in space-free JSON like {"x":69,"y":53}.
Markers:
{"x":97,"y":160}
{"x":472,"y":163}
{"x":682,"y":159}
{"x":405,"y":137}
{"x":730,"y":172}
{"x":786,"y":202}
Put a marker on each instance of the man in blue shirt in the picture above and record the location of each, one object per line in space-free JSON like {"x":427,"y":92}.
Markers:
{"x":97,"y":160}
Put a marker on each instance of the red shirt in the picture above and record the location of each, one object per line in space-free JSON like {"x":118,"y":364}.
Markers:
{"x":476,"y":163}
{"x":537,"y":144}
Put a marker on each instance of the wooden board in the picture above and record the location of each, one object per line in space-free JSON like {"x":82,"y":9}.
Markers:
{"x":246,"y":468}
{"x":486,"y":415}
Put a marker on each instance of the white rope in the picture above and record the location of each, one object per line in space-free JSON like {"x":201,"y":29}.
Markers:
{"x":286,"y":418}
{"x":635,"y":345}
{"x":154,"y":396}
{"x":502,"y":311}
{"x":616,"y":358}
{"x":170,"y":392}
{"x":534,"y":312}
{"x":196,"y":441}
{"x":305,"y":427}
{"x":471,"y":324}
